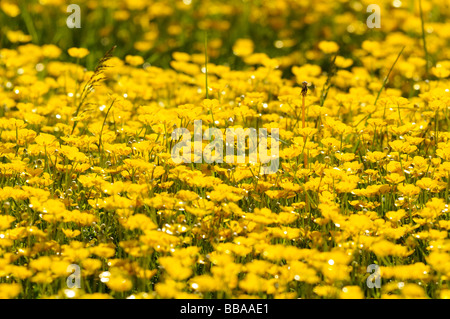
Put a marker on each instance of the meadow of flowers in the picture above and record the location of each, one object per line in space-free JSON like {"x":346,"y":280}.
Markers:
{"x":87,"y":177}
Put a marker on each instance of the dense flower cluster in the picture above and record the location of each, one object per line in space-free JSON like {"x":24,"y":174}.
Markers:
{"x":87,"y":177}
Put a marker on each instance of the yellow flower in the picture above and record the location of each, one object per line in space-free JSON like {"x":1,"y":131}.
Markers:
{"x":11,"y":9}
{"x":351,"y":292}
{"x":181,"y":56}
{"x":335,"y":272}
{"x":431,"y":184}
{"x":342,"y":62}
{"x":46,"y":140}
{"x":78,"y":53}
{"x":138,"y":221}
{"x":375,"y":156}
{"x":20,"y":272}
{"x":408,"y":190}
{"x":440,"y":262}
{"x":143,"y":46}
{"x":395,"y":178}
{"x":243,"y":47}
{"x":90,"y":265}
{"x":169,"y":288}
{"x":75,"y":251}
{"x":445,"y":294}
{"x":187,"y":196}
{"x":59,"y":267}
{"x":395,"y":216}
{"x":385,"y":248}
{"x":146,"y":274}
{"x":134,"y":60}
{"x":71,"y":233}
{"x":326,"y":291}
{"x":441,"y":70}
{"x":413,"y":291}
{"x":328,"y":47}
{"x":417,"y":271}
{"x":17,"y":36}
{"x":5,"y":221}
{"x":174,"y":268}
{"x":300,"y":271}
{"x":9,"y":291}
{"x":51,"y":51}
{"x":103,"y":250}
{"x":44,"y":277}
{"x":205,"y":283}
{"x":118,"y":281}
{"x":253,"y":283}
{"x":402,"y":147}
{"x":41,"y":264}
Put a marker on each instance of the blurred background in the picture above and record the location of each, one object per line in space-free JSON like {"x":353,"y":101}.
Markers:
{"x":290,"y":30}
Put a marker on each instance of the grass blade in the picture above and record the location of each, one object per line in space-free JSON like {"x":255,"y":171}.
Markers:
{"x":387,"y":76}
{"x":423,"y":38}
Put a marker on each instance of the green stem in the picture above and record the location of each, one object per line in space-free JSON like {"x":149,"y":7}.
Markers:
{"x":423,"y":38}
{"x":29,"y":24}
{"x":206,"y":64}
{"x":387,"y":76}
{"x":101,"y":132}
